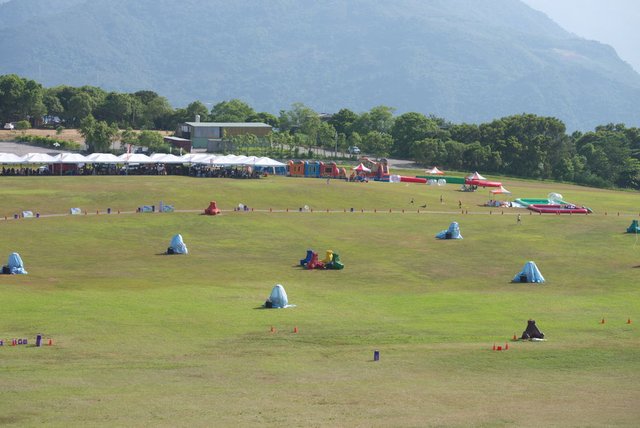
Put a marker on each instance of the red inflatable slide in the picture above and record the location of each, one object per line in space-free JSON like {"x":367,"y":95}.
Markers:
{"x":405,"y":179}
{"x":482,"y":183}
{"x":557,"y":209}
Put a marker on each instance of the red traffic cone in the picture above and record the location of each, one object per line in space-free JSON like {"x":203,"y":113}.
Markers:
{"x":506,"y":346}
{"x":295,"y":329}
{"x":494,"y":346}
{"x":50,"y":342}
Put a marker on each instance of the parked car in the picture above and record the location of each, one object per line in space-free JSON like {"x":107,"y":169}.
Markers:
{"x":9,"y":126}
{"x":354,"y":150}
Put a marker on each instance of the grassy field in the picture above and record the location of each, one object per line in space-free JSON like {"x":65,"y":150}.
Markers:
{"x":144,"y":339}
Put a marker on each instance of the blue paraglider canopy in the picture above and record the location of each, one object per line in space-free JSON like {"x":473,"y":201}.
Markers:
{"x":452,"y":233}
{"x":14,"y":265}
{"x":278,"y":298}
{"x":177,"y":246}
{"x":529,"y":273}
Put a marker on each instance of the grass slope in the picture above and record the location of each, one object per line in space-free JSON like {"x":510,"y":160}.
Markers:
{"x":146,"y":339}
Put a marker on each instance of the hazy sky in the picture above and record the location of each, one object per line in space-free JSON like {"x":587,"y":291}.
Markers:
{"x":614,"y":22}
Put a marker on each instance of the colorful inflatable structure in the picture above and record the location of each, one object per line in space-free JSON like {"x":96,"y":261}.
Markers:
{"x":379,"y":170}
{"x":634,"y":228}
{"x":212,"y":209}
{"x":529,"y":273}
{"x":477,"y":180}
{"x":452,"y":233}
{"x":554,"y":204}
{"x":331,"y":261}
{"x":315,"y":169}
{"x":14,"y":266}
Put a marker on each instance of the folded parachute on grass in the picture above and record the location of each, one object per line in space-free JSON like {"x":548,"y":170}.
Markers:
{"x":14,"y":265}
{"x":452,"y":233}
{"x":529,"y":273}
{"x":278,"y":298}
{"x":177,"y":246}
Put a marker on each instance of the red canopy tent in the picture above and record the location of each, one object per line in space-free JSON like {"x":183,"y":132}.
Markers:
{"x":434,"y":171}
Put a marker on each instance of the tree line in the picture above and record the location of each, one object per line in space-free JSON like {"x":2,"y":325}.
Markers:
{"x":523,"y":145}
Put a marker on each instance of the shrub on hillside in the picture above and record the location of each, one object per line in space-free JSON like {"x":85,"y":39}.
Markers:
{"x":52,"y":143}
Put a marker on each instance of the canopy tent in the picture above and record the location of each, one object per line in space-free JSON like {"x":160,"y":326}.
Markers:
{"x":74,"y":158}
{"x":103,"y":158}
{"x":267,"y":162}
{"x":529,"y":273}
{"x":532,"y":331}
{"x":14,"y":265}
{"x":361,"y":168}
{"x":475,"y":176}
{"x":500,"y":191}
{"x":452,"y":233}
{"x":38,"y":158}
{"x":135,"y":158}
{"x":10,"y":158}
{"x":278,"y":298}
{"x":166,"y":158}
{"x":434,"y":171}
{"x":634,"y":227}
{"x":177,"y":246}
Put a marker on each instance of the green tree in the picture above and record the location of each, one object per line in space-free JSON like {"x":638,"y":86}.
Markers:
{"x":233,"y":110}
{"x":377,"y":143}
{"x":20,"y":98}
{"x":81,"y":105}
{"x":194,"y":109}
{"x":409,"y":128}
{"x":343,"y":121}
{"x":98,"y":135}
{"x":264,"y":117}
{"x":379,"y":118}
{"x":119,"y":109}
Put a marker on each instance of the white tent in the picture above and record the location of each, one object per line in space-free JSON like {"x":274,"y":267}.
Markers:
{"x":10,"y":158}
{"x":103,"y":158}
{"x":362,"y":168}
{"x":268,"y":162}
{"x":501,"y":191}
{"x":135,"y":158}
{"x":165,"y":158}
{"x":38,"y":158}
{"x":71,"y":158}
{"x":434,"y":171}
{"x":476,"y":176}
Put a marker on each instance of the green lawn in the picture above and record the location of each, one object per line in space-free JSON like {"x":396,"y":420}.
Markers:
{"x":143,"y":339}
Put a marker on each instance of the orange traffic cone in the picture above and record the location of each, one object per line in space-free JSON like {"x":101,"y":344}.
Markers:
{"x":602,"y":321}
{"x":515,"y":337}
{"x":506,"y":346}
{"x":494,"y":346}
{"x":273,"y":329}
{"x":295,"y":329}
{"x":628,"y":320}
{"x":50,"y":342}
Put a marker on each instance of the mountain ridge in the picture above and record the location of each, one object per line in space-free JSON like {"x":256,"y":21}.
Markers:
{"x":464,"y":61}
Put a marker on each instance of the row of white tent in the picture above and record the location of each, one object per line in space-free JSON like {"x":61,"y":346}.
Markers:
{"x":139,"y":158}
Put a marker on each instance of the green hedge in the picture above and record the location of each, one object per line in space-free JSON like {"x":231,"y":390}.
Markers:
{"x":52,"y":143}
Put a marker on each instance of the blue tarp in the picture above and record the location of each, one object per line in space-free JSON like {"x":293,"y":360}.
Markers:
{"x":15,"y":264}
{"x":278,"y":297}
{"x":452,"y":233}
{"x":529,"y":273}
{"x":177,"y":245}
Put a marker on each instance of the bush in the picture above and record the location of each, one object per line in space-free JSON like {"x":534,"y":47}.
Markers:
{"x":22,"y":125}
{"x":52,"y":143}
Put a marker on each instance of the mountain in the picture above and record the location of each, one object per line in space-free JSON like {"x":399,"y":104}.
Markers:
{"x":463,"y":60}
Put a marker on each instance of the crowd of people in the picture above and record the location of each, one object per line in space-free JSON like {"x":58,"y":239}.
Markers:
{"x":138,"y":169}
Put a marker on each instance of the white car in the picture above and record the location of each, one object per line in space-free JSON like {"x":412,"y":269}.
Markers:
{"x":9,"y":126}
{"x":354,"y":150}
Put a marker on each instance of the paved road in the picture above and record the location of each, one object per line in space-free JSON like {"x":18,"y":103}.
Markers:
{"x":23,"y":149}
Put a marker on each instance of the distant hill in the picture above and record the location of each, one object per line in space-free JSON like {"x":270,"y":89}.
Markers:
{"x":463,"y":60}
